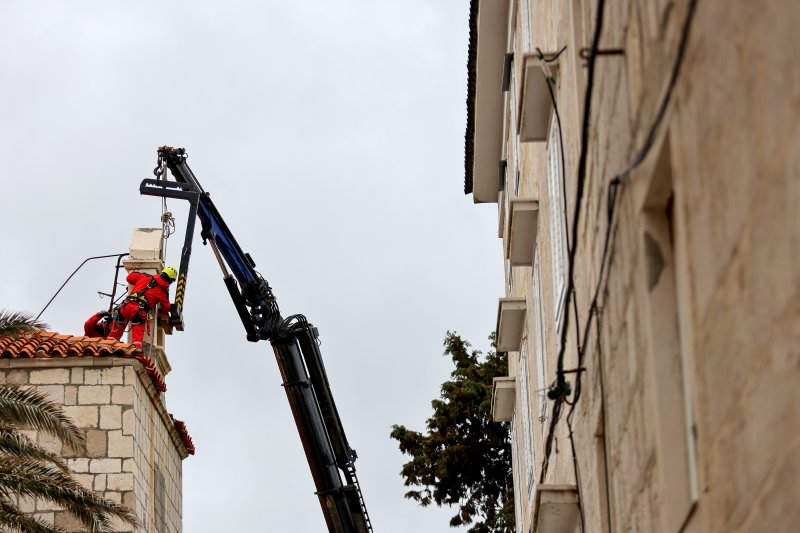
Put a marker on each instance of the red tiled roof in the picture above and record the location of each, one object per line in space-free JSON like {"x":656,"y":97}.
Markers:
{"x":48,"y":345}
{"x":184,"y":433}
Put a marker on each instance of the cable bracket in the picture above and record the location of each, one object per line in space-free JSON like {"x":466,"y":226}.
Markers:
{"x":561,"y":389}
{"x":586,"y":53}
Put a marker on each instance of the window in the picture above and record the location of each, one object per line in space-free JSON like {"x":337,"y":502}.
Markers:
{"x":558,"y":230}
{"x":668,"y":349}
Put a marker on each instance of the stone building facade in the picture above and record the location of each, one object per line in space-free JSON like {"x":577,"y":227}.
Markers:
{"x":135,"y":447}
{"x":651,"y":242}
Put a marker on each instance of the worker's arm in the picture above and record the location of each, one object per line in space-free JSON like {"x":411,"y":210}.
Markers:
{"x":88,"y":327}
{"x":165,"y":305}
{"x":163,"y":300}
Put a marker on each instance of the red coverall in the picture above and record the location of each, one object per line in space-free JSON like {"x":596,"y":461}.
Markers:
{"x":131,"y":311}
{"x":94,"y":329}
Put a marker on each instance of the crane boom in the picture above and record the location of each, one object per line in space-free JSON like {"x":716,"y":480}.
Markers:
{"x":294,"y":341}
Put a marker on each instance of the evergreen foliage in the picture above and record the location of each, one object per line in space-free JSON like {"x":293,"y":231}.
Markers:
{"x":464,"y":458}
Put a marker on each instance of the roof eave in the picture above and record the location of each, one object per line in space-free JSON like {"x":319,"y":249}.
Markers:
{"x":485,"y":99}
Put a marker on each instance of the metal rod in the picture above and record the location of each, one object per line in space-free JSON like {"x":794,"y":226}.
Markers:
{"x":116,"y":279}
{"x":219,"y":257}
{"x":586,"y":53}
{"x":73,"y":273}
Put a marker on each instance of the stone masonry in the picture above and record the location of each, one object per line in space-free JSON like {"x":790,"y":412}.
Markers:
{"x":689,"y":363}
{"x":134,"y":451}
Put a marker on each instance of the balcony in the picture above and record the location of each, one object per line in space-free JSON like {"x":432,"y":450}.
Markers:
{"x":510,"y":324}
{"x":523,"y":224}
{"x":535,"y":103}
{"x":503,"y":398}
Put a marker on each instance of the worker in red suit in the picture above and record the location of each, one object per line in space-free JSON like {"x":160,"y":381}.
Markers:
{"x":147,"y":292}
{"x":98,"y":325}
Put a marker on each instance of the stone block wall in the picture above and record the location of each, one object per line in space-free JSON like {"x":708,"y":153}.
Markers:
{"x":687,"y":419}
{"x":157,"y":457}
{"x":133,"y":453}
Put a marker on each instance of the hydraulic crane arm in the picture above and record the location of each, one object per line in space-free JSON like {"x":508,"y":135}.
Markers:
{"x":294,"y":341}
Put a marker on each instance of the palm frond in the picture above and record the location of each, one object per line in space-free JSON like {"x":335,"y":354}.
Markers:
{"x":14,"y":444}
{"x":31,"y":409}
{"x":36,"y":480}
{"x":15,"y":521}
{"x":16,"y":323}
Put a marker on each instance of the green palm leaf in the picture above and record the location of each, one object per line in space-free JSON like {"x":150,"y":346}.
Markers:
{"x":15,"y":323}
{"x":17,"y":522}
{"x":29,"y":408}
{"x":17,"y":445}
{"x":35,"y":480}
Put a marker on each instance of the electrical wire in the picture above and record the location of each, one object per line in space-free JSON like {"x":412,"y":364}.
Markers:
{"x":571,"y":262}
{"x":619,"y":178}
{"x":552,"y":58}
{"x":550,"y":81}
{"x":662,"y":110}
{"x":612,"y":202}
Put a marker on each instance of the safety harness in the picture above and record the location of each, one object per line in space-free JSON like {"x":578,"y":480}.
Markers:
{"x":139,"y":299}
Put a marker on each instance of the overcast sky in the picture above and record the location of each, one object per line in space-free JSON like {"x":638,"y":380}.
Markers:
{"x":330,"y":135}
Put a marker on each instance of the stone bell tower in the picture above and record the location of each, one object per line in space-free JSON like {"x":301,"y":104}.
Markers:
{"x":116,"y":395}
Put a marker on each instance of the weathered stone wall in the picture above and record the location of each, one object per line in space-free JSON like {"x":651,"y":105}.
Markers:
{"x":157,"y":465}
{"x":688,"y":415}
{"x":130,"y":438}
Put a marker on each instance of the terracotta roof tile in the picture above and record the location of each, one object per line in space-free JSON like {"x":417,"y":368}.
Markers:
{"x":48,"y":345}
{"x":184,"y":433}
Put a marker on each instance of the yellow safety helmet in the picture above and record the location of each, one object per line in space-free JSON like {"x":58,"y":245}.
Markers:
{"x":170,"y":273}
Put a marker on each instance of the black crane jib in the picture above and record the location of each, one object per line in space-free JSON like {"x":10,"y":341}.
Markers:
{"x":294,"y":341}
